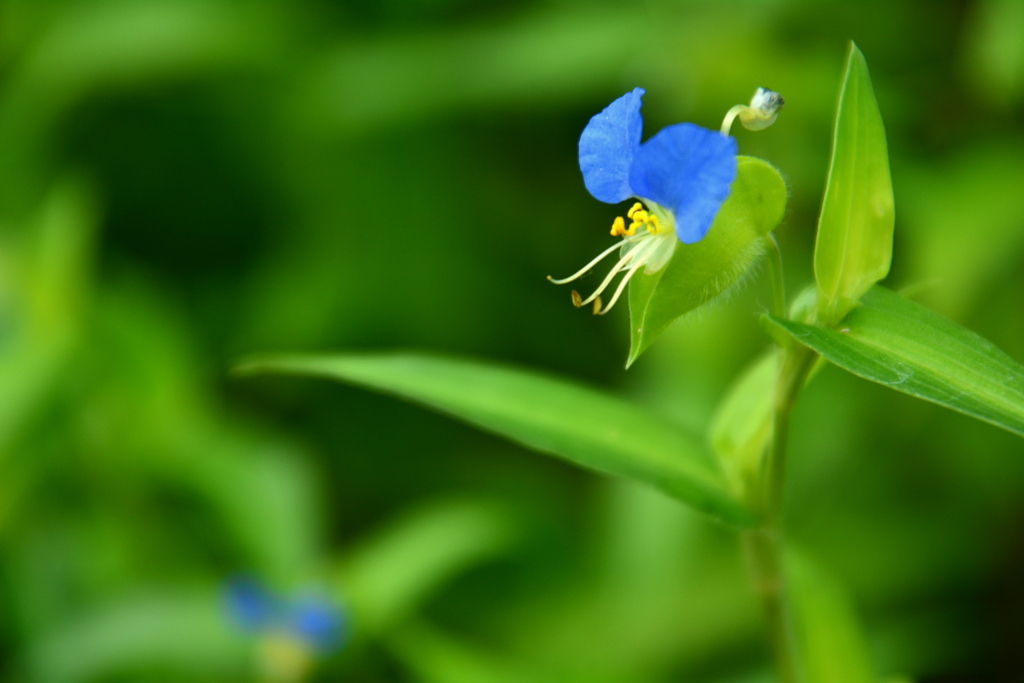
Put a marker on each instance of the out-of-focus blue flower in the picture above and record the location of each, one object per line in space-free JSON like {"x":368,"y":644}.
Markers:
{"x":249,"y":605}
{"x":290,"y":630}
{"x":680,"y":176}
{"x":316,"y":621}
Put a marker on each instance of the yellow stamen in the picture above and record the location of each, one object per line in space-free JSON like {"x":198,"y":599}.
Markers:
{"x":597,"y":306}
{"x":577,"y":300}
{"x":618,"y":226}
{"x":640,"y":217}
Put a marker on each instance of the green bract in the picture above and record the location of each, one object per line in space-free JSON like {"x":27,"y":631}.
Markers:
{"x":741,"y":426}
{"x":854,"y":245}
{"x":742,"y":423}
{"x":700,"y":272}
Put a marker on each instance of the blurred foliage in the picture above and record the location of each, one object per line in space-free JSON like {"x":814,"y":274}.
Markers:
{"x":184,"y":181}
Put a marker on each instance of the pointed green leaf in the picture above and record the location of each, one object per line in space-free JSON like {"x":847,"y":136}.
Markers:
{"x":697,"y":273}
{"x":550,"y":415}
{"x":909,"y":348}
{"x":44,"y":301}
{"x":854,"y":244}
{"x":385,"y":578}
{"x":831,"y":647}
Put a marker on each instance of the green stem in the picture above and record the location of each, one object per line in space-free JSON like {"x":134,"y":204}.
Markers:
{"x":763,"y":549}
{"x":778,"y":283}
{"x":764,"y":546}
{"x":795,"y":363}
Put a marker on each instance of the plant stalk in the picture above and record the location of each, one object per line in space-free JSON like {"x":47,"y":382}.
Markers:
{"x":778,"y":283}
{"x":795,"y":364}
{"x":764,"y":546}
{"x":763,"y":549}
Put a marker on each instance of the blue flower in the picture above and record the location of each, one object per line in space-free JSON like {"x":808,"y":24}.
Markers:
{"x":680,"y":176}
{"x":312,"y":617}
{"x":249,"y":605}
{"x":316,"y":620}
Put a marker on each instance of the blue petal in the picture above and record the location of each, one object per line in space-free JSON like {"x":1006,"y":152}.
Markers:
{"x":688,"y":170}
{"x":317,"y":620}
{"x":608,"y":145}
{"x":249,"y":605}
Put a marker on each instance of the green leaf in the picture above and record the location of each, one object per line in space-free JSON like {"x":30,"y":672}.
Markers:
{"x":854,"y":245}
{"x":436,"y":657}
{"x":550,"y":415}
{"x":697,"y":273}
{"x":909,"y":348}
{"x":45,"y":302}
{"x":181,"y":632}
{"x":830,"y":644}
{"x":385,"y":578}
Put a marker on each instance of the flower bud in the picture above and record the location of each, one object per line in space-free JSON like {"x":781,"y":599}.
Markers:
{"x":764,"y":107}
{"x":759,"y":114}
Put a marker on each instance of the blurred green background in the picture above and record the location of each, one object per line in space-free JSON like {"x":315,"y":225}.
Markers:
{"x":186,"y":181}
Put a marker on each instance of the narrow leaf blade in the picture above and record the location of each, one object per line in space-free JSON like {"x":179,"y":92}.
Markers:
{"x":697,"y":273}
{"x":554,"y":416}
{"x":907,"y":347}
{"x":386,"y":577}
{"x":854,"y":244}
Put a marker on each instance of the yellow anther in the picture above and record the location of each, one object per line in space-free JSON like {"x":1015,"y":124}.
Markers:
{"x":633,"y":209}
{"x":577,"y":300}
{"x":653,"y":224}
{"x":618,"y":226}
{"x":630,"y":231}
{"x":597,"y":306}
